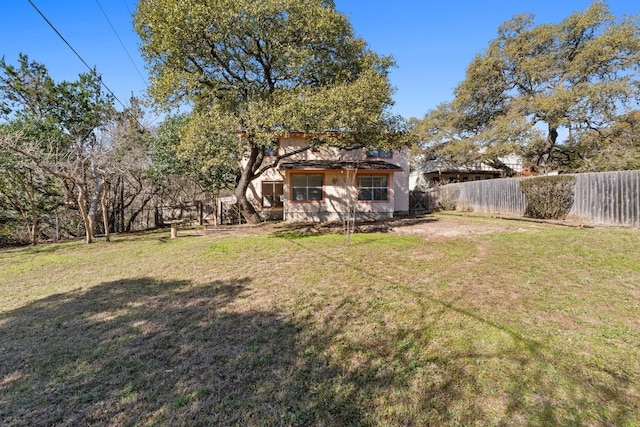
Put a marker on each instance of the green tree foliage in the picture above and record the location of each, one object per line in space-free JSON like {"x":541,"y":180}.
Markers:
{"x":614,"y":148}
{"x":27,"y":91}
{"x":27,"y":194}
{"x":176,"y":152}
{"x":252,"y":71}
{"x":68,"y":117}
{"x":189,"y":172}
{"x":27,"y":100}
{"x":443,"y":135}
{"x":534,"y":82}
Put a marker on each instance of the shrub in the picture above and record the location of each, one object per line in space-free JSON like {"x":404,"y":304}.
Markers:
{"x":548,"y":197}
{"x":448,"y":197}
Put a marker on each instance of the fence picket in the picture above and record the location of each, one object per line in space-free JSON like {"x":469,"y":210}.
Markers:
{"x":603,"y":198}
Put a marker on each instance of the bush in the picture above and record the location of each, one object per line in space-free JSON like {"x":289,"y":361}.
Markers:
{"x":448,"y":197}
{"x":11,"y":234}
{"x":548,"y":197}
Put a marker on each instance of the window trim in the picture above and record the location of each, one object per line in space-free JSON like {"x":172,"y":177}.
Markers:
{"x":279,"y":204}
{"x":373,"y":200}
{"x":307,"y":174}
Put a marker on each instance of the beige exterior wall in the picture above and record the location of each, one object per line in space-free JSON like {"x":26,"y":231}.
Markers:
{"x":401,"y":180}
{"x":339,"y":191}
{"x":336,"y":188}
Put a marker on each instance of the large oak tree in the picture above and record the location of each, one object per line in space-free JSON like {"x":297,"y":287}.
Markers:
{"x":536,"y":82}
{"x":254,"y":70}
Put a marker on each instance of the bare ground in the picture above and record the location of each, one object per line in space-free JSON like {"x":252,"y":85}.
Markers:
{"x":459,"y":226}
{"x":430,"y":227}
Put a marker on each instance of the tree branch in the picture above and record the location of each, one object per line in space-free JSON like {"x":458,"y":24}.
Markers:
{"x":277,"y":160}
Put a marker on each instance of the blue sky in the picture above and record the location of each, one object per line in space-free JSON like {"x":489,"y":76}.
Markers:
{"x":432,"y":41}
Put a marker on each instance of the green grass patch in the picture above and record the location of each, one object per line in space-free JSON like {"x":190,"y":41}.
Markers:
{"x":539,"y":327}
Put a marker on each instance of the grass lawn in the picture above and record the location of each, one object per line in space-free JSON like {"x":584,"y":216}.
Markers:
{"x":535,"y":327}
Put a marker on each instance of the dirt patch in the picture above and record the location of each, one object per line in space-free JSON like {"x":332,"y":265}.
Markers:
{"x":427,"y":226}
{"x":458,"y":226}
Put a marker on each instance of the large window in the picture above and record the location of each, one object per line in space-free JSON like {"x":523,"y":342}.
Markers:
{"x":272,"y":192}
{"x":377,"y":153}
{"x":373,"y":187}
{"x":306,"y":187}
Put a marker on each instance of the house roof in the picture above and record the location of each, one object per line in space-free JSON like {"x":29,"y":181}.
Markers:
{"x":339,"y":164}
{"x":434,"y":164}
{"x":439,"y":165}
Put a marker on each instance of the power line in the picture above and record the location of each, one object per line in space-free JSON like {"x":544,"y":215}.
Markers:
{"x":121,"y":43}
{"x":74,"y":51}
{"x":127,"y":6}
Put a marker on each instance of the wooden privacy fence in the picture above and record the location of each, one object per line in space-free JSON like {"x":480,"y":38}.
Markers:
{"x":603,"y":198}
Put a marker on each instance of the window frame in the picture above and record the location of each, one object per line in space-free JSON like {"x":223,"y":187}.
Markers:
{"x":378,"y":153}
{"x":278,"y":203}
{"x":293,"y":187}
{"x":374,"y":188}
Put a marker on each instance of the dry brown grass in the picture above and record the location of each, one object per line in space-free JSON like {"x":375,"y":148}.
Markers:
{"x":538,"y":327}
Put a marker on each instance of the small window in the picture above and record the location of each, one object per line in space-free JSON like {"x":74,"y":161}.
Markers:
{"x":306,"y":187}
{"x":272,"y":192}
{"x":379,"y":154}
{"x":373,"y":188}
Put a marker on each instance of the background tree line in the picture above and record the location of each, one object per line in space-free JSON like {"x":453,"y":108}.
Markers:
{"x":71,"y":165}
{"x":247,"y":72}
{"x":563,"y":96}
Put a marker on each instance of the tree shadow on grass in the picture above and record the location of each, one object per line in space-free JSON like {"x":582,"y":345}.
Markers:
{"x":149,"y":352}
{"x":142,"y":352}
{"x":297,"y":230}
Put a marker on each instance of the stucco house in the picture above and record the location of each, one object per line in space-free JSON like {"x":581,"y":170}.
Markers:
{"x":325,"y":183}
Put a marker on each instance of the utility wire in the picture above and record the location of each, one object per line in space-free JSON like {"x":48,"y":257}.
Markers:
{"x":127,"y":6}
{"x":74,"y":51}
{"x":121,"y":43}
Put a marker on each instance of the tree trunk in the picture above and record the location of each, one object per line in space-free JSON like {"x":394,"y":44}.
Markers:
{"x":121,"y":206}
{"x":129,"y":226}
{"x":93,"y":206}
{"x":545,"y":156}
{"x":33,"y":233}
{"x":114,"y":215}
{"x":82,"y":207}
{"x":247,"y":210}
{"x":32,"y":216}
{"x":105,"y":213}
